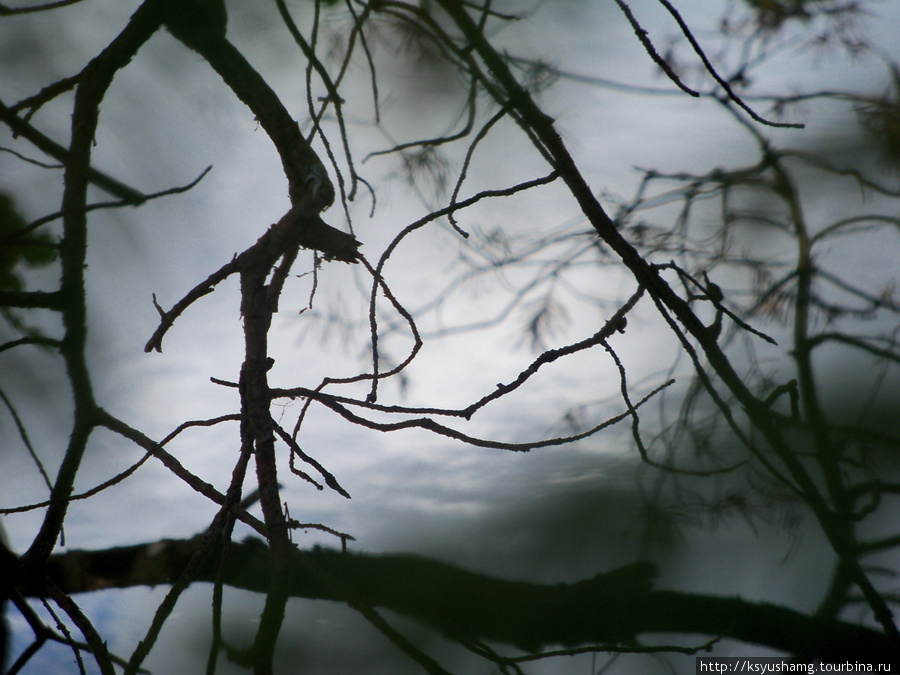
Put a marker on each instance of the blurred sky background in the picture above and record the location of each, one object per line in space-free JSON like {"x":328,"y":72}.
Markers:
{"x":558,"y":514}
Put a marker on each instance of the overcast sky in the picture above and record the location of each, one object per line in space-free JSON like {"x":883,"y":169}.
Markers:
{"x":168,"y":117}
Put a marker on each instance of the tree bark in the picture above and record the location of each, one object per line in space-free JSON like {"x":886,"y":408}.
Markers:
{"x":612,"y":607}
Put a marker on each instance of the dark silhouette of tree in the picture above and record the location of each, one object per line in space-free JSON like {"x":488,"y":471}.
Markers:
{"x":745,"y":438}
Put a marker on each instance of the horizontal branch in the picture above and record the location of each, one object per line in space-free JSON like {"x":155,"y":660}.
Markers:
{"x":611,"y":607}
{"x":442,"y":430}
{"x":31,"y":299}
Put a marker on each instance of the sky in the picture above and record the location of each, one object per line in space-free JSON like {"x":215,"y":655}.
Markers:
{"x":549,"y":516}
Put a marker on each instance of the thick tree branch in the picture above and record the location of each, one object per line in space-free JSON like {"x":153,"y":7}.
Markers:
{"x":536,"y":122}
{"x":73,"y":252}
{"x":611,"y":607}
